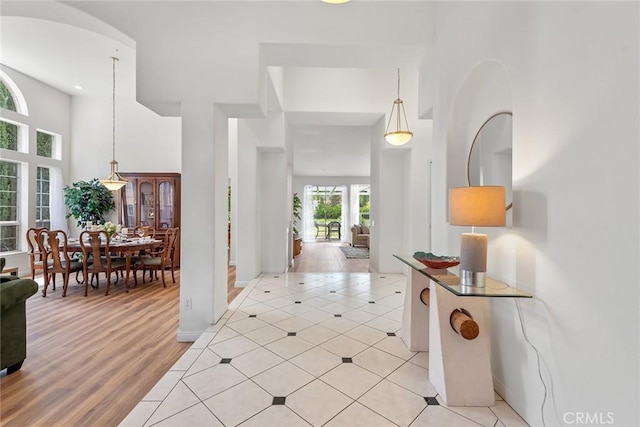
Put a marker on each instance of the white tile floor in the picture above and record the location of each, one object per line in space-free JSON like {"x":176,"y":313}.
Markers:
{"x":300,"y":349}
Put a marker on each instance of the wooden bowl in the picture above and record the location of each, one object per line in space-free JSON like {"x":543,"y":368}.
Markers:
{"x":435,"y":261}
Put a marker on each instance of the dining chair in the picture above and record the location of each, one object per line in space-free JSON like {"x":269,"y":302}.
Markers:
{"x":333,"y":226}
{"x":35,"y":253}
{"x":161,"y":259}
{"x":96,"y":259}
{"x":56,"y":259}
{"x":142,"y":231}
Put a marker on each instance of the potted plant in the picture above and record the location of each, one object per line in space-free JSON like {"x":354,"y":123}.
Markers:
{"x":88,"y":201}
{"x":297,"y":206}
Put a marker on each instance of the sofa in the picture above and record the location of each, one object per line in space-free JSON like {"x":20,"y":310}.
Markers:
{"x":13,"y":321}
{"x":360,"y":235}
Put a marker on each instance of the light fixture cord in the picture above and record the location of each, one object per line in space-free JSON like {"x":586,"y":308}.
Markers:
{"x":114,"y":107}
{"x":539,"y":360}
{"x":398,"y":101}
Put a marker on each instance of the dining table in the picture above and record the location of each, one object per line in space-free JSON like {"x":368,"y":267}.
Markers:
{"x":126,"y":246}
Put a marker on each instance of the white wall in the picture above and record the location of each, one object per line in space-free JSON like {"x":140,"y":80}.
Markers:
{"x":390,"y":220}
{"x":248,"y":230}
{"x":49,"y":111}
{"x":573,"y":69}
{"x":256,"y":217}
{"x":145,"y":141}
{"x":274,"y":208}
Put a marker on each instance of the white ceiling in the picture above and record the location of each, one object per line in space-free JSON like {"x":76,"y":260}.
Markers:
{"x":64,"y":55}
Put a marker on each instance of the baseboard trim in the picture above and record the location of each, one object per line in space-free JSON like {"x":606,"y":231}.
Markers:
{"x":188,"y":336}
{"x":241,"y":283}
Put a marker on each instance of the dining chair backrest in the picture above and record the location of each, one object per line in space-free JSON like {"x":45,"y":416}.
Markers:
{"x":95,"y":251}
{"x":54,"y":247}
{"x":56,"y":259}
{"x":35,"y":251}
{"x":170,"y":239}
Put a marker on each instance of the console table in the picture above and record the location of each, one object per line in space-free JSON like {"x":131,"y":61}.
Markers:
{"x":453,"y":326}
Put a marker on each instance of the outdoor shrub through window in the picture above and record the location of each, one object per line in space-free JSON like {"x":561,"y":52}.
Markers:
{"x":9,"y":225}
{"x":43,"y":191}
{"x":44,"y":143}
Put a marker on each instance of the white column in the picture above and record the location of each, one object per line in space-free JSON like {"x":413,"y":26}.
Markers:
{"x":273,"y":209}
{"x":248,"y":238}
{"x":203,"y":271}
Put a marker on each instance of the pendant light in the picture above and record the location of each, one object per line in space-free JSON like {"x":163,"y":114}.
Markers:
{"x":114,"y":181}
{"x":399,"y":136}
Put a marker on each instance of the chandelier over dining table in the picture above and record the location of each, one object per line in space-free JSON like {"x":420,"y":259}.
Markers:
{"x":114,"y":181}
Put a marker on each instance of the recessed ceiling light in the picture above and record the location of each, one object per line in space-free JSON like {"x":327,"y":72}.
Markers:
{"x":78,"y":87}
{"x":336,"y":1}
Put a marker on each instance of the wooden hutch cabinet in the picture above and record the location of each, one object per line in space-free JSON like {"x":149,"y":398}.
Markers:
{"x":151,"y":199}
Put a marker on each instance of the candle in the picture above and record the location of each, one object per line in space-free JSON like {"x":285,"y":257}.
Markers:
{"x":473,"y":252}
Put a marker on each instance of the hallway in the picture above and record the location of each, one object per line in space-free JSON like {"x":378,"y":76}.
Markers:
{"x":326,"y":257}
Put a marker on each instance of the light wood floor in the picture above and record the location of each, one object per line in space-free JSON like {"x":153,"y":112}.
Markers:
{"x":91,"y":360}
{"x":326,"y":257}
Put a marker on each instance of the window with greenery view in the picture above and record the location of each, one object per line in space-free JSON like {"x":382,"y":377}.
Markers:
{"x":8,"y":131}
{"x":44,"y":144}
{"x":328,"y":204}
{"x":8,"y":136}
{"x":6,"y":99}
{"x":364,"y":206}
{"x":43,"y":210}
{"x":9,"y":225}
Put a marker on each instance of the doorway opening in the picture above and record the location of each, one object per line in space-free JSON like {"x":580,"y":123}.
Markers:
{"x":328,"y":214}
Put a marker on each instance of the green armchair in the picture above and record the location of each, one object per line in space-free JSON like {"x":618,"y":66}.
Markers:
{"x":13,"y":321}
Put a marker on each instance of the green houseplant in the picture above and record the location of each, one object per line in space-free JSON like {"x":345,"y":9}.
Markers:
{"x":88,"y":201}
{"x":297,"y":206}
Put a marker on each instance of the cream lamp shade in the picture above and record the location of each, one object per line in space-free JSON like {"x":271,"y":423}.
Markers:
{"x":476,"y":207}
{"x":482,"y":206}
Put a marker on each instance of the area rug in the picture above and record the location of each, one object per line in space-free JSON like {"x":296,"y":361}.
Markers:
{"x":355,"y":253}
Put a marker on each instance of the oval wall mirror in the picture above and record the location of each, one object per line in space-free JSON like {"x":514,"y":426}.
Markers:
{"x":490,"y":155}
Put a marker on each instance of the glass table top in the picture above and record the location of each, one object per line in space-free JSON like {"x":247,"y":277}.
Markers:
{"x":450,"y":281}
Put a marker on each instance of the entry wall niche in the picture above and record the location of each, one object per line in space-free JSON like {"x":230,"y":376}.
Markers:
{"x":485,"y":91}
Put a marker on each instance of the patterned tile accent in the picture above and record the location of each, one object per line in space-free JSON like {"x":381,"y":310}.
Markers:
{"x":279,"y":400}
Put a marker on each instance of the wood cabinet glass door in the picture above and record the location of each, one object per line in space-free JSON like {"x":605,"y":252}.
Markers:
{"x":166,"y":203}
{"x":129,"y":204}
{"x":147,"y":202}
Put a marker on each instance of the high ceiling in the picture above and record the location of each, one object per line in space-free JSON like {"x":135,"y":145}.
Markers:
{"x":76,"y":51}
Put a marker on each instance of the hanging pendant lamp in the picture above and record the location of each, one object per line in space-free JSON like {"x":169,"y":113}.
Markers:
{"x":399,"y":136}
{"x":114,"y":181}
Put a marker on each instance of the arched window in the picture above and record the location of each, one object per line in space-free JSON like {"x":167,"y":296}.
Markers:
{"x":6,"y":98}
{"x":8,"y":130}
{"x":29,"y":154}
{"x":12,"y":131}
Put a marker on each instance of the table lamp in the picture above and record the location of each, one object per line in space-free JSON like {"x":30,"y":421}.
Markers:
{"x":482,"y":206}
